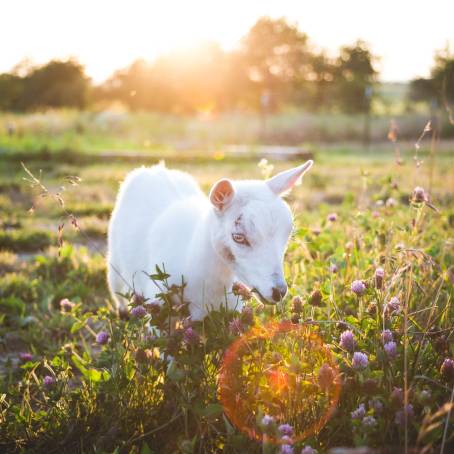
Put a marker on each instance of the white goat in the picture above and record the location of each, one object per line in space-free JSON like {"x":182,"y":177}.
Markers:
{"x":239,"y":233}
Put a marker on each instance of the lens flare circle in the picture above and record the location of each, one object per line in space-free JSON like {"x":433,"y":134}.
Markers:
{"x":282,"y":370}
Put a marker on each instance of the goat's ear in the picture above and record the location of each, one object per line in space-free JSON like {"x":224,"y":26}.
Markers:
{"x":283,"y":182}
{"x":221,"y":194}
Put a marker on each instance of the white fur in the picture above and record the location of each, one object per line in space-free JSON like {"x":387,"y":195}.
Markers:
{"x":161,"y":217}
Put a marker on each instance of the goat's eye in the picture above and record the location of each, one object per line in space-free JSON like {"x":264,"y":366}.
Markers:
{"x":240,"y":239}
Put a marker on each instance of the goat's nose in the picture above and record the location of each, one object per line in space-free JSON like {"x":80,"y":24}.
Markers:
{"x":279,"y":292}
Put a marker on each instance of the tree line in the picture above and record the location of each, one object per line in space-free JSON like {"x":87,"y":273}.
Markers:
{"x":274,"y":65}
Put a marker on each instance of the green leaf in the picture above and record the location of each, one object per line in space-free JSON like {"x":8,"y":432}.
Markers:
{"x":212,"y":411}
{"x":145,"y":449}
{"x":174,"y":372}
{"x":94,"y":375}
{"x":77,"y":326}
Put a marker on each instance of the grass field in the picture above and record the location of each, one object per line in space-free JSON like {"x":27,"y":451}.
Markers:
{"x":65,"y":389}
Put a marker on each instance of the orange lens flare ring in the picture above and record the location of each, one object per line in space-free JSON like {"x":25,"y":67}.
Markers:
{"x":274,"y":369}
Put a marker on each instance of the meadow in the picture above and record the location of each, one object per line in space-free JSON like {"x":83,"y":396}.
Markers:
{"x":360,"y":352}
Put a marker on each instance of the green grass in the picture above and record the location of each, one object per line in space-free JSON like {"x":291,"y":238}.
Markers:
{"x":123,"y":396}
{"x":55,"y":132}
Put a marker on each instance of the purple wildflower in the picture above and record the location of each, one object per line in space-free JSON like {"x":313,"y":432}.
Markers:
{"x":393,"y":305}
{"x":286,"y":449}
{"x":325,"y":376}
{"x":247,"y":315}
{"x":286,"y":440}
{"x":419,"y":195}
{"x":358,"y":287}
{"x":286,"y":429}
{"x":360,"y":360}
{"x":267,"y":420}
{"x":49,"y":381}
{"x":391,"y":202}
{"x":391,"y":349}
{"x":297,"y":304}
{"x":379,"y":275}
{"x":66,"y":305}
{"x":406,"y":413}
{"x":386,"y":336}
{"x":236,"y":327}
{"x":397,"y":396}
{"x":191,"y":337}
{"x":375,"y":214}
{"x":240,"y":289}
{"x":447,"y":369}
{"x":308,"y":450}
{"x":333,"y":268}
{"x":369,"y":421}
{"x":332,"y":217}
{"x":25,"y":357}
{"x":359,"y":413}
{"x":347,"y":340}
{"x":376,"y":405}
{"x":138,"y":312}
{"x":102,"y":338}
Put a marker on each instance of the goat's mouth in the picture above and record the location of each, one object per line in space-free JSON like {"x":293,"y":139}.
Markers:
{"x":261,"y":297}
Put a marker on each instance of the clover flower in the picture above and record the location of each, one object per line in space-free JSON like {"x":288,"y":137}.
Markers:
{"x":447,"y":369}
{"x":391,"y":202}
{"x":333,"y":268}
{"x":247,"y":315}
{"x":240,"y":289}
{"x":391,"y":349}
{"x":360,"y":360}
{"x":297,"y":304}
{"x":375,"y":214}
{"x":66,"y":305}
{"x":191,"y":337}
{"x":386,"y":336}
{"x":308,"y":450}
{"x":138,"y":299}
{"x":376,"y":405}
{"x":405,"y":414}
{"x":267,"y":420}
{"x":325,"y":376}
{"x":359,"y":413}
{"x":379,"y":275}
{"x":102,"y":338}
{"x":358,"y":287}
{"x":49,"y":381}
{"x":286,"y":429}
{"x":347,"y":340}
{"x":393,"y":305}
{"x":332,"y":217}
{"x":25,"y":357}
{"x":286,"y":449}
{"x":397,"y":396}
{"x":138,"y":312}
{"x":419,"y":195}
{"x":236,"y":327}
{"x":369,"y":421}
{"x":316,"y":298}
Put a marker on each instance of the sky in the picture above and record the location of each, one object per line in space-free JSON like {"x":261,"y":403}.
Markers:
{"x":105,"y":35}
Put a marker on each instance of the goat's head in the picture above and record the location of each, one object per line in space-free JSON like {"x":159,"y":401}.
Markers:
{"x":252,"y":228}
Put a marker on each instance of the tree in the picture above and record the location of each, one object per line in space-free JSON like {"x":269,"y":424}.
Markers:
{"x":355,"y":77}
{"x":56,"y":84}
{"x":11,"y":89}
{"x":275,"y":58}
